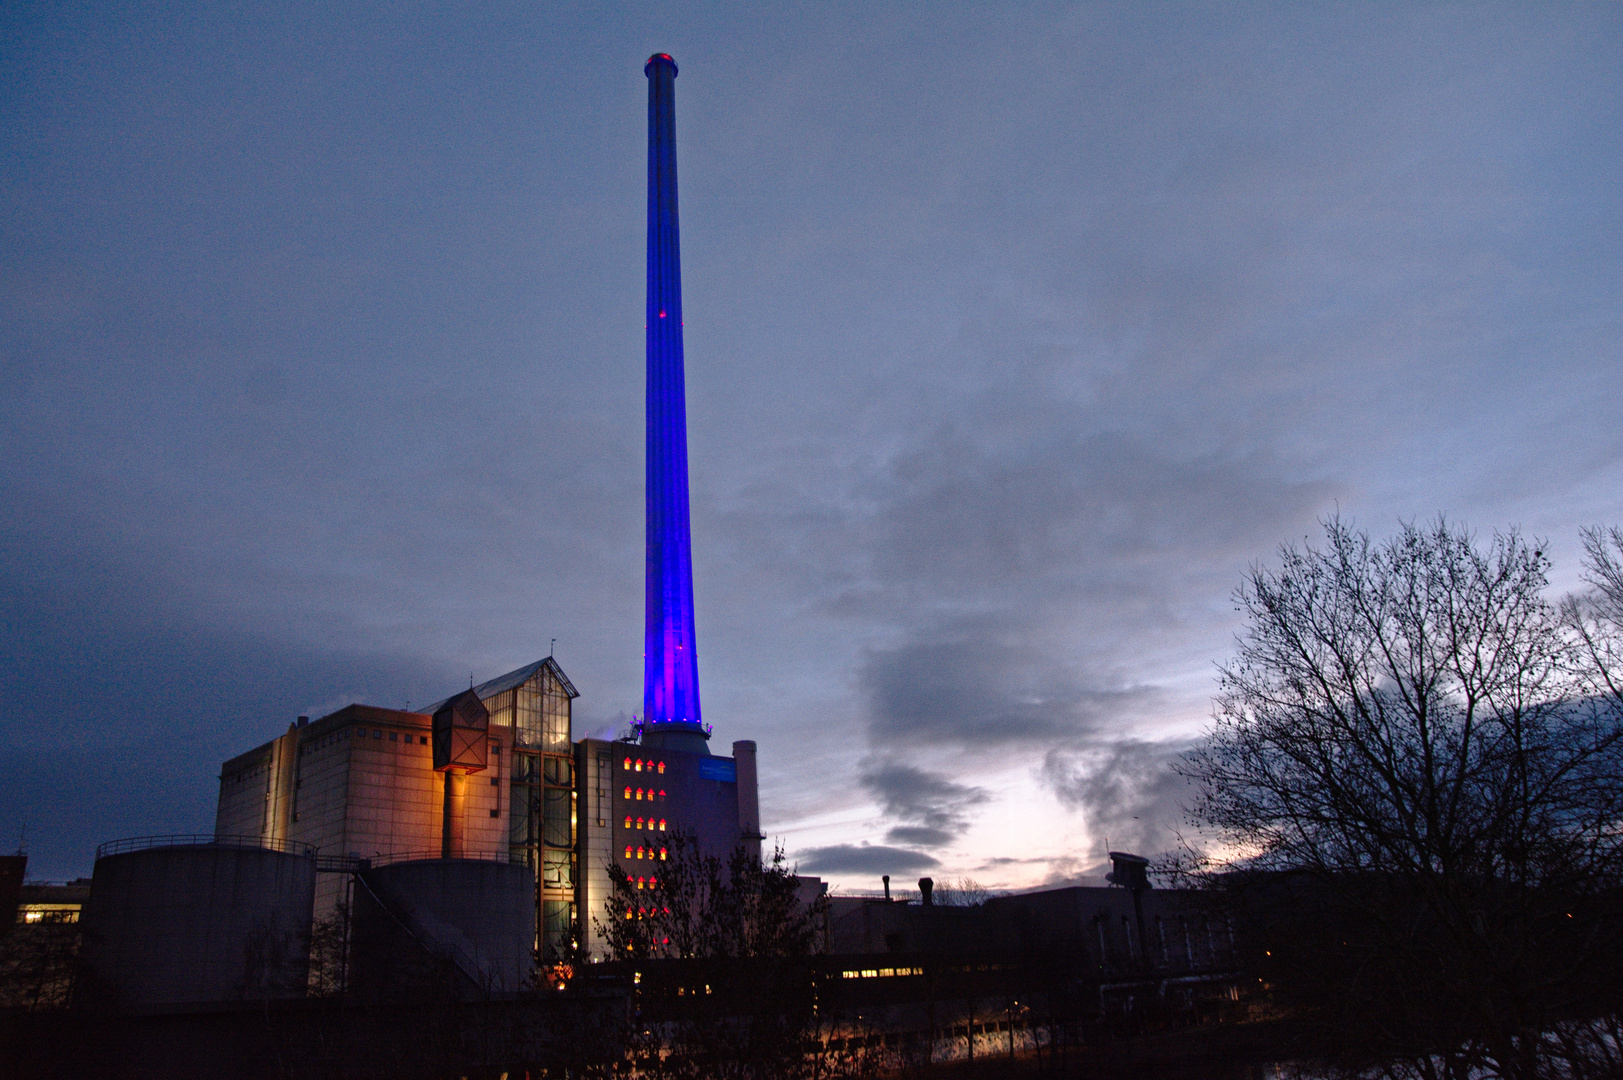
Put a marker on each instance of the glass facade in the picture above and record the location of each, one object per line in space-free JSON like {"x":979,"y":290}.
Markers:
{"x":542,"y":811}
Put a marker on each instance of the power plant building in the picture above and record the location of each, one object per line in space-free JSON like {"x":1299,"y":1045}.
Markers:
{"x":493,"y":772}
{"x":361,"y":784}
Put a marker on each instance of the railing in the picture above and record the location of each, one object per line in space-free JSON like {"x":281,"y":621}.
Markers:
{"x":391,"y":857}
{"x":146,"y":843}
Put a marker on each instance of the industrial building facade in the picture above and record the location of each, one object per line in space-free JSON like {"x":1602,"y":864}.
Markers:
{"x":361,"y":784}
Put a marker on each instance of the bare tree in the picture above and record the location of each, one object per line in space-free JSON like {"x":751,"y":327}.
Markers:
{"x":965,"y":892}
{"x":723,"y":980}
{"x":1415,"y":777}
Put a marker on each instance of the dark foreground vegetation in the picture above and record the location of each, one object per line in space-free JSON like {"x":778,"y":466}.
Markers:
{"x":598,"y":1030}
{"x":1417,"y":765}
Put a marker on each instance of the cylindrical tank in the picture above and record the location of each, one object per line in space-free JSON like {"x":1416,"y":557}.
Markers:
{"x":469,"y":922}
{"x":179,"y":922}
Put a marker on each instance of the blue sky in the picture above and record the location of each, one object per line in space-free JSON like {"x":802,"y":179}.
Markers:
{"x":1014,"y":335}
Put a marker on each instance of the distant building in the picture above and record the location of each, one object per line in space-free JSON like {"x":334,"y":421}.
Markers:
{"x":52,"y":902}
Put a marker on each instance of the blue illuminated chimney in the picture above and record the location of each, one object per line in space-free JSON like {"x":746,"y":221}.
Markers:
{"x":670,"y":686}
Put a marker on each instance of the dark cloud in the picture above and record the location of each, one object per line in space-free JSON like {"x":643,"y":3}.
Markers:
{"x":1126,"y":791}
{"x":921,"y":835}
{"x":933,"y":807}
{"x":979,"y":692}
{"x":853,"y":859}
{"x":123,"y":701}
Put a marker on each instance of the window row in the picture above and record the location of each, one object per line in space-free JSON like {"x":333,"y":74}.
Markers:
{"x":641,"y":795}
{"x":639,"y":765}
{"x":394,"y":736}
{"x":553,"y":769}
{"x":647,"y":824}
{"x":643,"y":913}
{"x":645,"y":853}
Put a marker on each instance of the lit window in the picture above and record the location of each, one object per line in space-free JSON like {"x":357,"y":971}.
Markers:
{"x":628,"y":764}
{"x":628,"y":851}
{"x":639,"y":795}
{"x":638,"y":766}
{"x":628,"y":793}
{"x":661,"y":824}
{"x":662,"y":768}
{"x":661,"y":854}
{"x":639,"y":823}
{"x":628,"y":821}
{"x":653,"y":883}
{"x":639,"y":883}
{"x":639,"y":853}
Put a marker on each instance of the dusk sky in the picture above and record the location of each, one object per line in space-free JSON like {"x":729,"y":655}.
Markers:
{"x":1013,"y":337}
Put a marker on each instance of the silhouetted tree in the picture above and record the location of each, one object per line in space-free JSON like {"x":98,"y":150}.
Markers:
{"x":965,"y":892}
{"x":721,"y":946}
{"x":1416,"y":774}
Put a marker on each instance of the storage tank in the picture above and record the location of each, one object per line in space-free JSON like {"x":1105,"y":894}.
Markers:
{"x":174,"y":922}
{"x":469,"y":923}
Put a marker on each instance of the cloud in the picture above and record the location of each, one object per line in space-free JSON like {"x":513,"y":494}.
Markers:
{"x":1126,"y":790}
{"x":864,"y":859}
{"x":933,"y":806}
{"x":953,"y":688}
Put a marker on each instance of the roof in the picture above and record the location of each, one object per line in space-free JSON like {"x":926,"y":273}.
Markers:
{"x":488,"y":690}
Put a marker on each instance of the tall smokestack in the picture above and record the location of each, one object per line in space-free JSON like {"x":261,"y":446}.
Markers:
{"x":670,"y":694}
{"x":749,"y":800}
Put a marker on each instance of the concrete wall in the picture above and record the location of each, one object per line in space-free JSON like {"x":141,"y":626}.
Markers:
{"x":180,"y":926}
{"x":244,"y":792}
